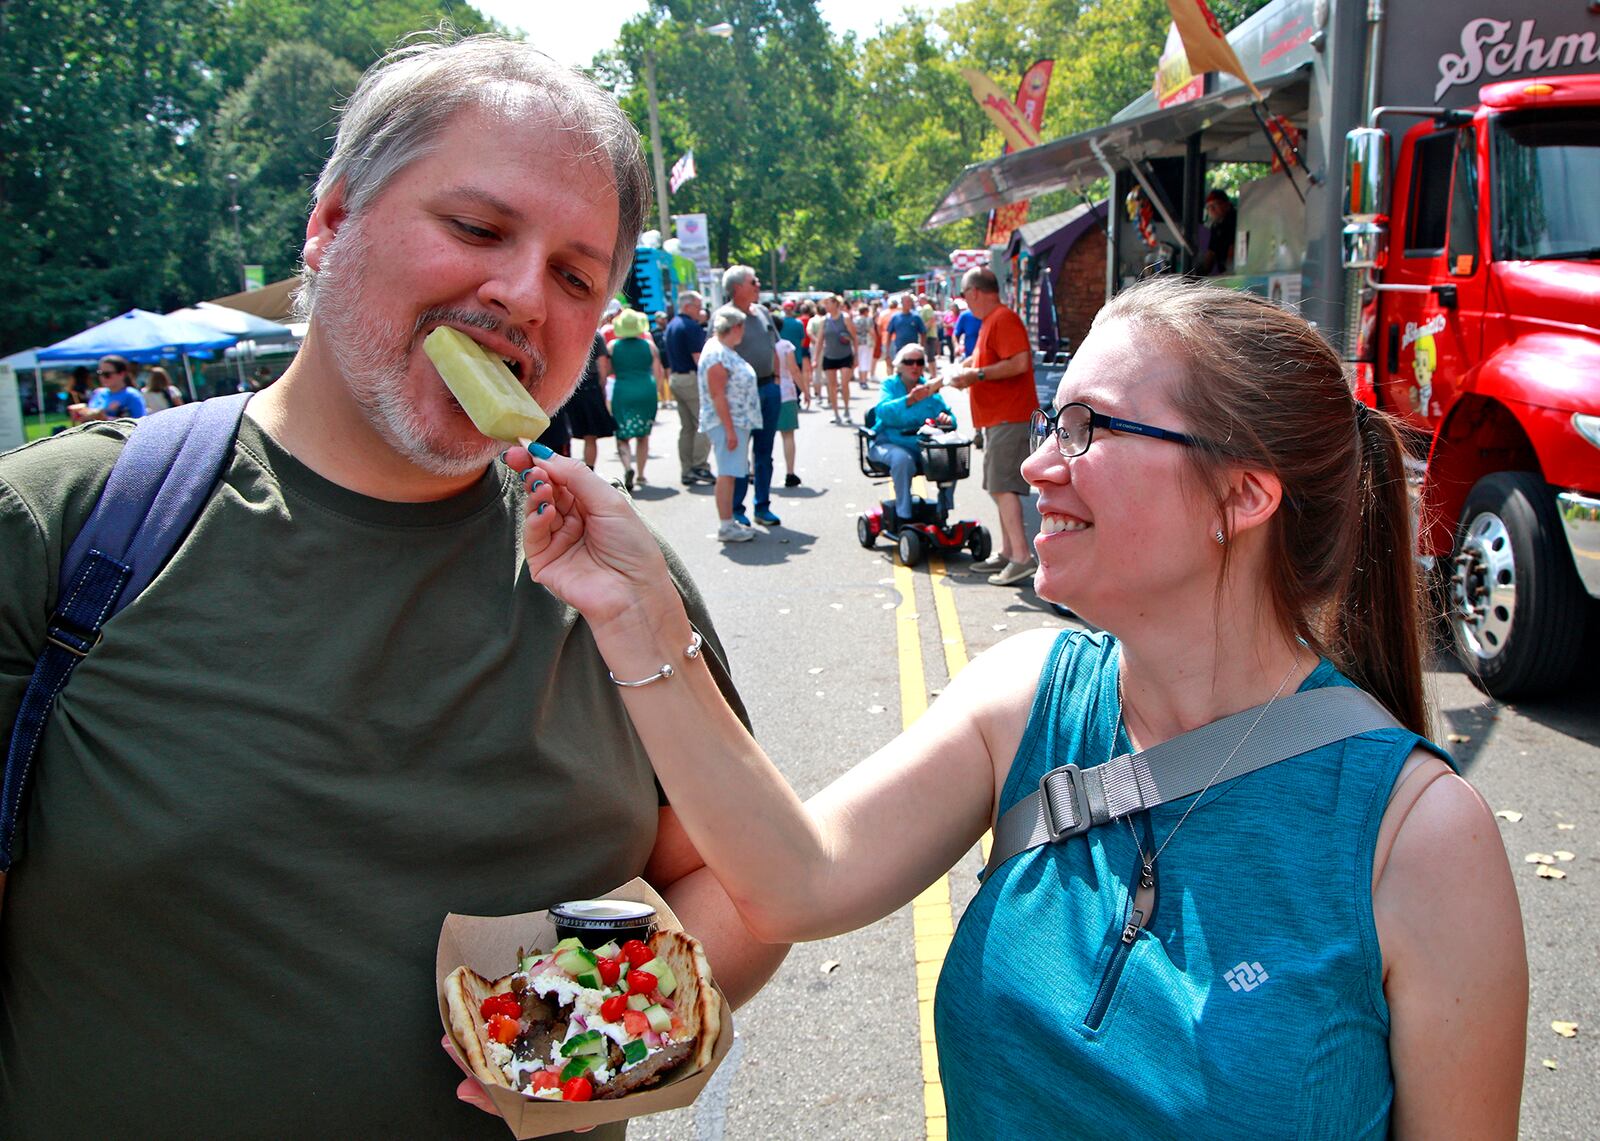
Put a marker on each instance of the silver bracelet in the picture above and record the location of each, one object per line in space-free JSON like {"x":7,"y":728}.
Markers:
{"x":666,"y":669}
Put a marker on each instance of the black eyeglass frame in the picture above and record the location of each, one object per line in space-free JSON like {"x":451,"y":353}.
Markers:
{"x":1042,"y":420}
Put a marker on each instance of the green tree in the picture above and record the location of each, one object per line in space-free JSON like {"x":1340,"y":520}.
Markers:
{"x":274,"y":133}
{"x":99,"y":106}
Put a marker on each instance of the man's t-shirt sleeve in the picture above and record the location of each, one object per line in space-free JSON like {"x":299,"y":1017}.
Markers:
{"x":1009,"y":338}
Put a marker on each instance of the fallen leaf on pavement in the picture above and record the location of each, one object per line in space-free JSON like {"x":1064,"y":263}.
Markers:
{"x":784,"y":611}
{"x":1565,"y":1029}
{"x":1551,"y":873}
{"x":830,"y":966}
{"x":1510,"y":814}
{"x":1457,"y":738}
{"x":1550,"y":1064}
{"x":876,"y":709}
{"x":815,"y":670}
{"x":998,"y":626}
{"x":1538,"y":858}
{"x":1566,"y":827}
{"x":836,"y":606}
{"x":1565,"y":856}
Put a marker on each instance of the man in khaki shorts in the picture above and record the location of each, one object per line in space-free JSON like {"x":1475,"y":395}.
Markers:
{"x":999,"y":374}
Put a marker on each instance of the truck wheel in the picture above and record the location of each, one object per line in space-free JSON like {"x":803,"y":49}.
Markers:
{"x":1517,"y":610}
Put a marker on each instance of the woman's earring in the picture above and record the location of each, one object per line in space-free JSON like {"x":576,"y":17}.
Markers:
{"x":1222,"y":540}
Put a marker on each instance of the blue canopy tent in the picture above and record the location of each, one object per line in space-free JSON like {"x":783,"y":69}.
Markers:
{"x":141,"y":336}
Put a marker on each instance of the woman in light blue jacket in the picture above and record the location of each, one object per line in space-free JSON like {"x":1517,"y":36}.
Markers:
{"x":906,"y":404}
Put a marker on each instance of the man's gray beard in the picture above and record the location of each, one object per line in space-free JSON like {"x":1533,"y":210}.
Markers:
{"x":373,"y":355}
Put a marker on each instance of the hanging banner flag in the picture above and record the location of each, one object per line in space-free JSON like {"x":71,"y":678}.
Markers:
{"x":1175,"y":80}
{"x":1031,"y":93}
{"x":1014,"y":127}
{"x":693,"y":241}
{"x":783,"y":253}
{"x":682,"y":171}
{"x":1205,"y":43}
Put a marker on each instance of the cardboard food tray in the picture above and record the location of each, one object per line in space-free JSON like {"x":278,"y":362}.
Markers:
{"x":488,"y":945}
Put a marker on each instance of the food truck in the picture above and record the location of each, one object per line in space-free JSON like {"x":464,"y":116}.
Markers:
{"x":1430,"y":206}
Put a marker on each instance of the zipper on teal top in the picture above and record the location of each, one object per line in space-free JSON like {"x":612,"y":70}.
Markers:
{"x":1126,"y":933}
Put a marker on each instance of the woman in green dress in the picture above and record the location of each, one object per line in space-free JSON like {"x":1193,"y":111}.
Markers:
{"x":637,"y":366}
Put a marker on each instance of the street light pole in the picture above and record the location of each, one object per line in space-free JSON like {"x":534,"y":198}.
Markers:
{"x":655,"y":142}
{"x":721,"y":31}
{"x":238,"y":239}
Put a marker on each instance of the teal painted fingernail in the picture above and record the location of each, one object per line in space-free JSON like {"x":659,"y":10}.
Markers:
{"x":541,"y":508}
{"x":540,"y":451}
{"x":504,"y":454}
{"x":536,"y":485}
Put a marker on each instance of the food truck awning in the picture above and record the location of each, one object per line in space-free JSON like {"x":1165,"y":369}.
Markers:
{"x":1232,"y":135}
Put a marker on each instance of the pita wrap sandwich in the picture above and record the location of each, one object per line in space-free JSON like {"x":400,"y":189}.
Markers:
{"x":572,"y":1024}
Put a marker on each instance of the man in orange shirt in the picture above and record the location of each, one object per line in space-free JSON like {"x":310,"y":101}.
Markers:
{"x":999,"y":374}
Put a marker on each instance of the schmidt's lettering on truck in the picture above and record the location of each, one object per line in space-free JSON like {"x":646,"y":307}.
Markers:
{"x":1424,"y":192}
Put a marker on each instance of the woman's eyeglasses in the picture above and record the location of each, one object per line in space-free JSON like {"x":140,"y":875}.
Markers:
{"x":1073,"y":426}
{"x":918,"y":361}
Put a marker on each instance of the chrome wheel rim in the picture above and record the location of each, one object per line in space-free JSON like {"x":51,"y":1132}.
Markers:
{"x":1483,"y":587}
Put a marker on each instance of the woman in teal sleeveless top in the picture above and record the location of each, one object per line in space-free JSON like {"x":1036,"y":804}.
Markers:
{"x":1327,"y":947}
{"x":635,"y":363}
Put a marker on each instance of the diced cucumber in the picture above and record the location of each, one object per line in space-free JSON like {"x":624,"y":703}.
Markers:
{"x":588,"y":1042}
{"x":609,"y":951}
{"x":526,"y":963}
{"x":566,"y":945}
{"x":666,"y":981}
{"x":637,"y":1002}
{"x":581,"y":1066}
{"x":660,"y":1020}
{"x":634,"y":1051}
{"x":575,"y":960}
{"x":589,"y":979}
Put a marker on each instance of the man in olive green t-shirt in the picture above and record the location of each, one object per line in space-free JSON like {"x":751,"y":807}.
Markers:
{"x":343,"y":709}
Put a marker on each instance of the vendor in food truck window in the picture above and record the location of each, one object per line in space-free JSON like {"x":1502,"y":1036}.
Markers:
{"x":1217,"y":257}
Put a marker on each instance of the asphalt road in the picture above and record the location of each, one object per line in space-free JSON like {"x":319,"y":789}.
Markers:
{"x":812,"y":623}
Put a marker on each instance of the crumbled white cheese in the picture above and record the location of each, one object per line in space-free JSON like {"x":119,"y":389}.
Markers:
{"x":551,"y":1094}
{"x":497,"y":1052}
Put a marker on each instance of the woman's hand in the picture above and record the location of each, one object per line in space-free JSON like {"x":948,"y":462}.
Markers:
{"x":732,"y":434}
{"x":585,"y":543}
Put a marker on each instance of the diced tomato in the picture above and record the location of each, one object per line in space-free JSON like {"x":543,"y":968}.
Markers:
{"x":503,"y":1030}
{"x":610,"y":970}
{"x":637,"y":953}
{"x":613,"y":1008}
{"x":635,"y":1023}
{"x":507,"y":1004}
{"x":578,"y":1089}
{"x":545,"y":1079}
{"x":641,"y":982}
{"x":677,"y":1027}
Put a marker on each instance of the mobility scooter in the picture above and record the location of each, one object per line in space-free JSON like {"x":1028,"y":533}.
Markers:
{"x":945,"y":457}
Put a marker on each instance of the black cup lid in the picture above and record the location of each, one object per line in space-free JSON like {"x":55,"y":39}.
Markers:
{"x":602,"y":913}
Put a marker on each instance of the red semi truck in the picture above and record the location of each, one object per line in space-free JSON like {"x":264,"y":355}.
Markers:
{"x":1459,"y":271}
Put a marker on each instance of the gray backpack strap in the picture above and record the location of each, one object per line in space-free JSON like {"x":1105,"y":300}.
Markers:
{"x":1070,"y":800}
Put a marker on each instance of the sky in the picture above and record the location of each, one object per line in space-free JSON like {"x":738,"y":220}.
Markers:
{"x":574,"y":32}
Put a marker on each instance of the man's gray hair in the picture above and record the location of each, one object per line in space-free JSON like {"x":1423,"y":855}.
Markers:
{"x":726,"y":319}
{"x":688,"y":295}
{"x":982,"y":279}
{"x":407,"y":97}
{"x":736,"y":275}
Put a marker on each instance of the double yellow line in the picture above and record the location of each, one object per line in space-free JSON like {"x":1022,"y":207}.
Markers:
{"x":932,"y":924}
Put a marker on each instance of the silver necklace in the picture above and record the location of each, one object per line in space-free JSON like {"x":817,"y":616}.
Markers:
{"x":1147,"y":877}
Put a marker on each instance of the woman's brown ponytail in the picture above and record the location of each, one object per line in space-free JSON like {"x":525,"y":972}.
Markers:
{"x":1376,"y":630}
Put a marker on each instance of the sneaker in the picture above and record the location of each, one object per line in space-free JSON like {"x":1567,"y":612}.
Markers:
{"x":836,"y":419}
{"x":688,"y":479}
{"x":1013,"y":574}
{"x":767,"y":518}
{"x":741,"y":518}
{"x":641,"y":480}
{"x":992,"y":564}
{"x":729,"y":531}
{"x":791,"y":480}
{"x":627,"y":480}
{"x":847,"y":419}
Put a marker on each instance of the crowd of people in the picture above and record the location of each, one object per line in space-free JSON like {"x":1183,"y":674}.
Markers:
{"x":739,"y":379}
{"x":395,"y":671}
